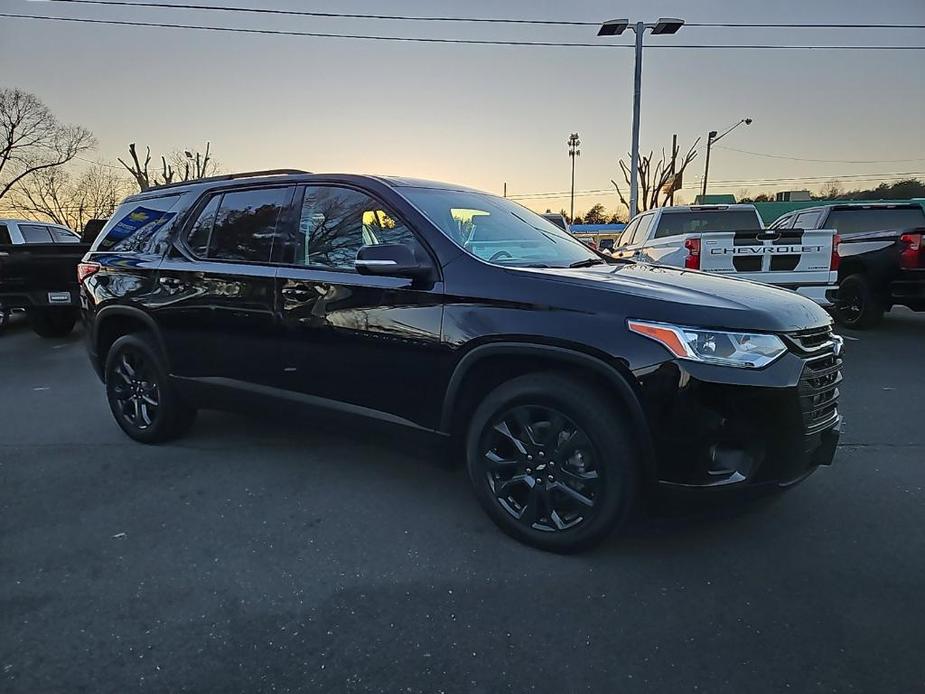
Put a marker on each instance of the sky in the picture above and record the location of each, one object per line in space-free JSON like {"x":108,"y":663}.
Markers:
{"x":484,"y":116}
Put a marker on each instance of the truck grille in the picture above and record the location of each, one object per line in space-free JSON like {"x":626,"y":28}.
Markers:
{"x":818,"y":387}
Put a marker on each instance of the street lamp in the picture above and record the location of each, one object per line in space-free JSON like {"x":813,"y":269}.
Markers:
{"x":711,"y":138}
{"x":615,"y":27}
{"x":573,"y":151}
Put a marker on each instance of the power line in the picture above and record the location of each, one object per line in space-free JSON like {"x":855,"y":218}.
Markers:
{"x":826,"y":161}
{"x":484,"y":20}
{"x":735,"y":182}
{"x":422,"y":39}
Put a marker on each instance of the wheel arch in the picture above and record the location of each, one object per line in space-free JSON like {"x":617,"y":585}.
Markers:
{"x":498,"y":358}
{"x":112,"y":322}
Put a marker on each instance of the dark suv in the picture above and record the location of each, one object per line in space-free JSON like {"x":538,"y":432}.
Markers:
{"x":572,"y":381}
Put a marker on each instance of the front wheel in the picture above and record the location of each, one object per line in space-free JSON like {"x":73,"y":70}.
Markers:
{"x":552,"y":462}
{"x":142,"y":399}
{"x":52,"y":322}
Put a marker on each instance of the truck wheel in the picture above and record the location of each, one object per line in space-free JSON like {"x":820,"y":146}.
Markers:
{"x":52,"y":322}
{"x":142,"y":399}
{"x":552,"y":462}
{"x":856,"y":306}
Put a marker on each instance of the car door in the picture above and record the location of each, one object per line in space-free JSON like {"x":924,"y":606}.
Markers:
{"x":370,"y":342}
{"x":216,"y":302}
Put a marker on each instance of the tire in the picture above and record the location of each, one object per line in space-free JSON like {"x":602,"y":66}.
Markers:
{"x":52,"y":322}
{"x":142,"y":399}
{"x":577,"y":447}
{"x":857,"y":307}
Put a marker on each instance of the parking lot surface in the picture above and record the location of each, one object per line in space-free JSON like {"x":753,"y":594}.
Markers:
{"x":303,"y":553}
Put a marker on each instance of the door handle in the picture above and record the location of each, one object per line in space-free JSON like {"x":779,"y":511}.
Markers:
{"x":297,"y":294}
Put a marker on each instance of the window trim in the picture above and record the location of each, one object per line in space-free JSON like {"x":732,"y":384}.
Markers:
{"x":388,"y":209}
{"x":195,"y":210}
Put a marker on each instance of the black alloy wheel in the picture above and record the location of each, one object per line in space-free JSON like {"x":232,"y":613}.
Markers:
{"x":136,"y":390}
{"x":143,"y":400}
{"x":541,"y":468}
{"x":553,"y":460}
{"x":856,"y":305}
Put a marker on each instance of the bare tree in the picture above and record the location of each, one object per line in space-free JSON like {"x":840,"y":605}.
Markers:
{"x":32,"y":140}
{"x":179,"y":166}
{"x":831,"y":190}
{"x":656,"y":179}
{"x":58,"y":196}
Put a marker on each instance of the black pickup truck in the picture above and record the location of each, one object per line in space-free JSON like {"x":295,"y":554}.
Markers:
{"x":881,"y":256}
{"x":38,"y":273}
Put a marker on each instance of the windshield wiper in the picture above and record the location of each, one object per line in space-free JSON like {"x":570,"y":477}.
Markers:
{"x":588,"y":262}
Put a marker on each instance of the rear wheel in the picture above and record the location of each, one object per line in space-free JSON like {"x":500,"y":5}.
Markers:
{"x":552,"y":462}
{"x":52,"y":322}
{"x":856,"y":306}
{"x":141,"y":397}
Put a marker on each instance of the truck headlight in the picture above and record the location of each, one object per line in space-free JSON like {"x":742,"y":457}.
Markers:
{"x":742,"y":350}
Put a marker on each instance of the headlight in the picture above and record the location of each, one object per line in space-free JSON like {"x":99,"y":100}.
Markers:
{"x":743,"y":350}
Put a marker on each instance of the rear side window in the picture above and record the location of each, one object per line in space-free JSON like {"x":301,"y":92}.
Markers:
{"x":699,"y":221}
{"x":245,"y":224}
{"x":859,"y":220}
{"x":63,"y":236}
{"x":35,"y":233}
{"x":139,"y":227}
{"x":5,"y":235}
{"x":807,"y":220}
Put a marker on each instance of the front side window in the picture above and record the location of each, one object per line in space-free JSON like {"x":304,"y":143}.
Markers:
{"x":782,"y":223}
{"x":498,"y":230}
{"x":642,"y":230}
{"x":335,"y":223}
{"x":35,"y":233}
{"x":807,"y":220}
{"x":247,"y":223}
{"x":5,"y":236}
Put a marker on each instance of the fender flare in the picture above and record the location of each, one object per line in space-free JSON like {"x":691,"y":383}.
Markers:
{"x":109,"y":312}
{"x":620,"y":383}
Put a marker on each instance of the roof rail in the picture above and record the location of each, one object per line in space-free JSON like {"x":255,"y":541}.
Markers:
{"x":231,"y":177}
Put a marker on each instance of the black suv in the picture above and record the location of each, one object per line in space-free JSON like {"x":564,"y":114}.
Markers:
{"x":572,"y":381}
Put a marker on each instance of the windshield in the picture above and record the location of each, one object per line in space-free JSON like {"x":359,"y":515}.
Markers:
{"x":859,"y":220}
{"x":498,"y":230}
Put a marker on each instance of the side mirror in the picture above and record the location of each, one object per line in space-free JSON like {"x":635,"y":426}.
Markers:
{"x":392,"y":260}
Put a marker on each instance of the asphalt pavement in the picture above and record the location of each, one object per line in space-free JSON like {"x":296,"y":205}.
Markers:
{"x":310,"y":554}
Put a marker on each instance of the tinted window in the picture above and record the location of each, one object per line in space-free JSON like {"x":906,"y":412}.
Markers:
{"x":857,"y":221}
{"x":247,"y":223}
{"x":63,"y":235}
{"x":139,"y":226}
{"x":807,"y":220}
{"x":782,"y":222}
{"x":640,"y":234}
{"x":4,"y":235}
{"x":699,"y":221}
{"x":199,"y":235}
{"x":35,"y":233}
{"x":334,"y":223}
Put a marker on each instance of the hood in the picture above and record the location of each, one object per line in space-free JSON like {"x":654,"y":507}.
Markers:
{"x":689,"y":297}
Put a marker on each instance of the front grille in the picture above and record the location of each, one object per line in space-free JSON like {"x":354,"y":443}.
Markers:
{"x":818,"y":388}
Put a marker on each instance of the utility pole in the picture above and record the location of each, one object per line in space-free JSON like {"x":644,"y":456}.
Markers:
{"x":573,"y":151}
{"x":505,"y":189}
{"x":674,"y":158}
{"x":615,"y":27}
{"x":711,"y":138}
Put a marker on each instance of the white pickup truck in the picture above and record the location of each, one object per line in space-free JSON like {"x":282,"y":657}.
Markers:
{"x":731,"y":240}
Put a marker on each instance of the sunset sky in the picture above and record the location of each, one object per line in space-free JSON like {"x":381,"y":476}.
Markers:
{"x":485,"y":115}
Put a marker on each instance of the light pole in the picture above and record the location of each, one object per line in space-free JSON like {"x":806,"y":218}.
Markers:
{"x":615,"y":27}
{"x":711,"y":138}
{"x":573,"y":151}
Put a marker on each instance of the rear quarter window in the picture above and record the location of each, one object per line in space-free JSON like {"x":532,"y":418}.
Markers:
{"x":140,"y":226}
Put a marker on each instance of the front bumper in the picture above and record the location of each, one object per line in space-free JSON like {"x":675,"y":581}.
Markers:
{"x":722,"y":428}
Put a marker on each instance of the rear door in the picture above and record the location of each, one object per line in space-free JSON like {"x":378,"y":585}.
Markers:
{"x":217,"y":289}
